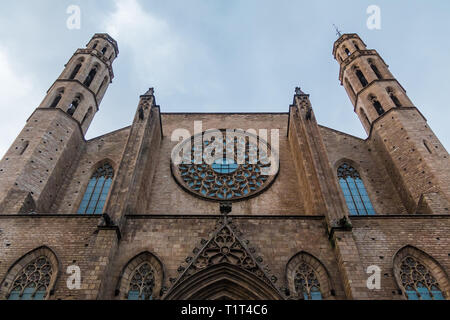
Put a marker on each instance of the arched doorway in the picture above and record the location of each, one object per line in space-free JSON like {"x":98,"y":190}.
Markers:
{"x":223,"y":282}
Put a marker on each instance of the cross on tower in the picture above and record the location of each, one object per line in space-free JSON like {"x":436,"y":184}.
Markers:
{"x":298,"y":91}
{"x":338,"y":32}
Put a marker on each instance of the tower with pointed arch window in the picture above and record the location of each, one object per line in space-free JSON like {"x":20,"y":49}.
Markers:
{"x":395,"y":126}
{"x":54,"y":133}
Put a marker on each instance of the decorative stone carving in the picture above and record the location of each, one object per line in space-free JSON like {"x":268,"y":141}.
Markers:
{"x":226,"y":247}
{"x":226,"y":179}
{"x":34,"y":279}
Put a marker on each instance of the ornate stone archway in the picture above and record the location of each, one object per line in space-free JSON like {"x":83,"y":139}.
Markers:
{"x":223,"y":282}
{"x":224,"y":268}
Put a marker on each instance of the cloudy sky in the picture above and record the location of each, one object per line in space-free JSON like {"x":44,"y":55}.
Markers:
{"x":223,"y":56}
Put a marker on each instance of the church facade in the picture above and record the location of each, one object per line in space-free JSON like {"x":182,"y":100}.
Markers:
{"x":302,"y":212}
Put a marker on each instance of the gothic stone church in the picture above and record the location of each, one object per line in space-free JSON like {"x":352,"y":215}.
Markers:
{"x":140,"y":226}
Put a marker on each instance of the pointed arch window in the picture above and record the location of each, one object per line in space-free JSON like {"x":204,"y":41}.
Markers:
{"x":87,"y":115}
{"x":418,"y":282}
{"x":75,"y":71}
{"x":356,"y":45}
{"x":73,"y":106}
{"x":375,"y":69}
{"x":141,"y":278}
{"x":90,"y":77}
{"x":307,"y":282}
{"x":365,"y":117}
{"x":102,"y":86}
{"x":97,"y":190}
{"x":361,"y":77}
{"x":33,"y":281}
{"x":395,"y":100}
{"x":350,"y":87}
{"x":393,"y":97}
{"x":56,"y":100}
{"x":355,"y":193}
{"x":347,"y":51}
{"x":104,"y":50}
{"x":142,"y":283}
{"x":377,"y":105}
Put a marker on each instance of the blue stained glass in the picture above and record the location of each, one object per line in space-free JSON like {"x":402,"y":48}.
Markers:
{"x":423,"y":292}
{"x":351,"y":204}
{"x":97,"y":191}
{"x":14,"y":295}
{"x":39,"y":295}
{"x":315,"y":294}
{"x":359,"y":204}
{"x":225,"y":166}
{"x":99,"y":209}
{"x":437,"y":294}
{"x":91,"y":208}
{"x":133,"y":295}
{"x":412,"y":294}
{"x":83,"y":206}
{"x":91,"y":184}
{"x":28,"y":294}
{"x":356,"y":197}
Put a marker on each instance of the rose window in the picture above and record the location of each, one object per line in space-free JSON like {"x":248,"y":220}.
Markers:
{"x":224,"y":167}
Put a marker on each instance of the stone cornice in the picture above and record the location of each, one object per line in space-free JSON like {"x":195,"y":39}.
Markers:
{"x":108,"y":38}
{"x":353,"y":57}
{"x":370,"y":84}
{"x":79,"y":82}
{"x":372,"y":125}
{"x":60,"y":110}
{"x":99,"y":56}
{"x":343,"y":38}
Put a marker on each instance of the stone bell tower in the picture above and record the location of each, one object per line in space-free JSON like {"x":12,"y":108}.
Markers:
{"x":33,"y":169}
{"x":416,"y":160}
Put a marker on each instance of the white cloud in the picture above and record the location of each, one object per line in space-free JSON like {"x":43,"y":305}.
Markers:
{"x":161,"y":56}
{"x":17,"y":99}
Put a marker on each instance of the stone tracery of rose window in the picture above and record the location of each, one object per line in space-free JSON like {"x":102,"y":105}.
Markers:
{"x":231,"y":175}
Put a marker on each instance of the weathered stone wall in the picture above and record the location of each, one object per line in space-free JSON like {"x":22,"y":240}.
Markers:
{"x":378,"y":240}
{"x":72,"y":239}
{"x":167,"y":197}
{"x":105,"y":148}
{"x":173,"y":239}
{"x":54,"y":141}
{"x":415,"y":159}
{"x":342,"y":148}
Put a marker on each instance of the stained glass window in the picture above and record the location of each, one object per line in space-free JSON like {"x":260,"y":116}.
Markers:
{"x":355,"y":193}
{"x":306,"y":282}
{"x":97,"y":190}
{"x":418,"y":282}
{"x":225,"y":166}
{"x":33,"y":281}
{"x":226,"y":178}
{"x":142,"y":283}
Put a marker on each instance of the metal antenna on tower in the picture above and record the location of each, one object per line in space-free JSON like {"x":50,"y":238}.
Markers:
{"x":338,"y":33}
